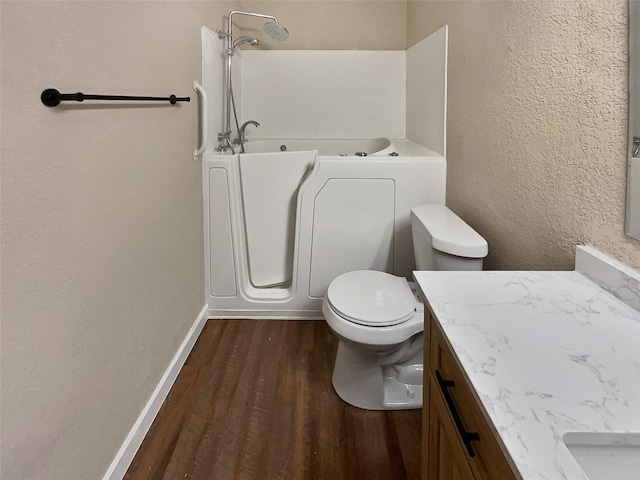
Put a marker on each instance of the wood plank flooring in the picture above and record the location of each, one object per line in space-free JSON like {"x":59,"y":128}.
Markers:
{"x":254,"y":401}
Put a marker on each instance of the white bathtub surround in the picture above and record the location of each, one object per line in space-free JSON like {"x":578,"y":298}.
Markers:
{"x":275,"y":237}
{"x":548,"y":353}
{"x":213,"y":58}
{"x":349,"y":213}
{"x":321,"y":94}
{"x":427,"y":91}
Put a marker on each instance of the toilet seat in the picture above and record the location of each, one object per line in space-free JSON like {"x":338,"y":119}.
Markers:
{"x":362,"y":334}
{"x":371,"y":298}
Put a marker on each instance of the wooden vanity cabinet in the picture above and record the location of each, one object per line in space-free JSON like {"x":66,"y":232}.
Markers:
{"x":445,"y":420}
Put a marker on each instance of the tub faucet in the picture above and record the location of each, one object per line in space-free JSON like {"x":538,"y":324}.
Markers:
{"x":241,"y":137}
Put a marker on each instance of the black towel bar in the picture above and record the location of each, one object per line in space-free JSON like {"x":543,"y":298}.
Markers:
{"x":52,"y":97}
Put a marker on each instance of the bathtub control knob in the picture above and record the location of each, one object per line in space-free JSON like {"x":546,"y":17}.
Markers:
{"x":394,"y":154}
{"x":283,"y":148}
{"x":361,"y":154}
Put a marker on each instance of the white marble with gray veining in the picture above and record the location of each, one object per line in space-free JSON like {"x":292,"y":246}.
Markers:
{"x":616,"y":278}
{"x":547,"y":352}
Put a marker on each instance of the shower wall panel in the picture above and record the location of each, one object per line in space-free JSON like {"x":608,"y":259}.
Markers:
{"x":427,"y":91}
{"x":324,"y":94}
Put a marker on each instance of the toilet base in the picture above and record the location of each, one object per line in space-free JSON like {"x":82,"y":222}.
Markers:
{"x":364,"y":384}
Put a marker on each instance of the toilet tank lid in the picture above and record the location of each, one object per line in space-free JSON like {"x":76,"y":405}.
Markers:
{"x":450,"y":234}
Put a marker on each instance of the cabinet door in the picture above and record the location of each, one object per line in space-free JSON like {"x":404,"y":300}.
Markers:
{"x":447,"y":460}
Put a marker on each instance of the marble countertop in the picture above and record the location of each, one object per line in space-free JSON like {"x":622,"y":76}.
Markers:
{"x":547,"y":352}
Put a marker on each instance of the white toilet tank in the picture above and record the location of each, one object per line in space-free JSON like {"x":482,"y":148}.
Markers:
{"x":443,"y":241}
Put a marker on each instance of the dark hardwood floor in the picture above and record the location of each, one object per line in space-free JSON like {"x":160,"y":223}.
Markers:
{"x":254,"y":401}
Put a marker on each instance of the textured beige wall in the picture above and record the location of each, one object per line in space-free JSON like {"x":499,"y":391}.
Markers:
{"x":330,"y":25}
{"x":536,"y":125}
{"x":102,"y":244}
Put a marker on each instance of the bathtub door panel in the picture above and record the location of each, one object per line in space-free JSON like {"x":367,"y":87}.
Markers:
{"x":222,"y":278}
{"x":270,"y":184}
{"x":353,"y":225}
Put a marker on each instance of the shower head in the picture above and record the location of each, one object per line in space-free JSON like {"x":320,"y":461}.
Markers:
{"x":276,"y":31}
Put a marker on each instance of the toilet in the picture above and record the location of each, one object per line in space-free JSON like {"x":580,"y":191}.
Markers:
{"x":379,"y":319}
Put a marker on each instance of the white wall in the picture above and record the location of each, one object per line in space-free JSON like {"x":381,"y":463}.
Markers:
{"x":324,"y":94}
{"x":102,"y":248}
{"x":347,"y":94}
{"x":427,"y":92}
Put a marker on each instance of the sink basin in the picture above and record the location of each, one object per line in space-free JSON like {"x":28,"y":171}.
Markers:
{"x":606,"y":456}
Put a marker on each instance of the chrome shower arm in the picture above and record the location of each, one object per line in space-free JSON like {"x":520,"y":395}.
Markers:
{"x":248,"y":14}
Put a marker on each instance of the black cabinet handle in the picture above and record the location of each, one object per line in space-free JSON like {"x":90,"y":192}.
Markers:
{"x":467,"y":437}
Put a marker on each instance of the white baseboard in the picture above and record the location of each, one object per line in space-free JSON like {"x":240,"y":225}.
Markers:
{"x":124,"y":457}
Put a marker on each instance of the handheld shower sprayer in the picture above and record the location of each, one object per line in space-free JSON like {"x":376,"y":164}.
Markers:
{"x":241,"y":41}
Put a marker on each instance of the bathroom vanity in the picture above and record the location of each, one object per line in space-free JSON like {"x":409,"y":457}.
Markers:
{"x":533,"y":375}
{"x":452,"y":420}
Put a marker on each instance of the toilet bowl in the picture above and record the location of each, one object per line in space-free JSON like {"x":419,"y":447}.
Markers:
{"x":379,"y":319}
{"x":379,"y":322}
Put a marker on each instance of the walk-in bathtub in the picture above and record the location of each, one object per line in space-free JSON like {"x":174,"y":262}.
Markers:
{"x":289,"y":215}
